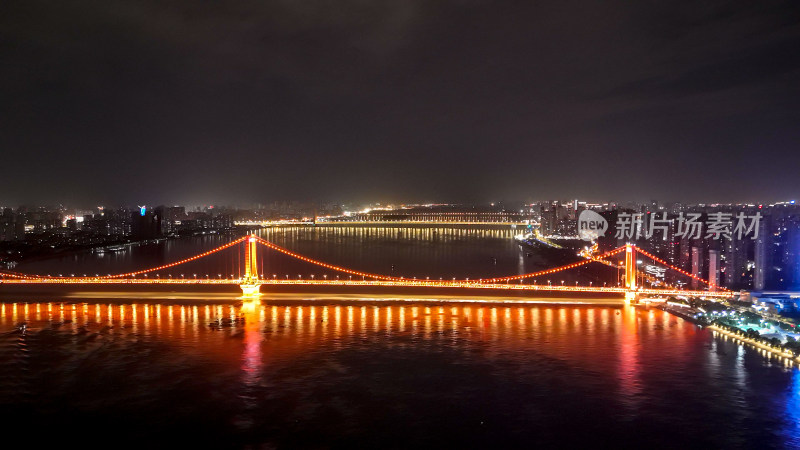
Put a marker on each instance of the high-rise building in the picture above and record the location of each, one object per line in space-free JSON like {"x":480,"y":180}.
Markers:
{"x":739,"y":263}
{"x":713,"y":268}
{"x":145,"y":225}
{"x":697,"y":266}
{"x":763,"y":251}
{"x":8,"y":225}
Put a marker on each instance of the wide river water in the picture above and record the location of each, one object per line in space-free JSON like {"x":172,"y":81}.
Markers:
{"x":306,"y":371}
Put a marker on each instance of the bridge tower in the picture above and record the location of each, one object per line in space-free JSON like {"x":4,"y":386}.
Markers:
{"x":250,"y":283}
{"x":630,"y":273}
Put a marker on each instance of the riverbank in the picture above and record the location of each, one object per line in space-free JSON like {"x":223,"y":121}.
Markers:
{"x":767,"y":348}
{"x":688,"y":314}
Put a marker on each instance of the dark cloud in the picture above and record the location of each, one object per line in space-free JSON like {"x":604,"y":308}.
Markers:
{"x":234,"y":102}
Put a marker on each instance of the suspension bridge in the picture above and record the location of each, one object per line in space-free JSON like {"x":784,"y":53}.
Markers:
{"x":632,"y":286}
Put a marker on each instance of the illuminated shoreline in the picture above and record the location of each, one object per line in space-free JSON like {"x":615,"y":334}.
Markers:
{"x":788,"y":356}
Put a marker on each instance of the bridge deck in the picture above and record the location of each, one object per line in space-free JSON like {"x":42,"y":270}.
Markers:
{"x":373,"y":283}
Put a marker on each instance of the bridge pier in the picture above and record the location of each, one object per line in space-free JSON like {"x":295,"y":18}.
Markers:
{"x":250,"y":290}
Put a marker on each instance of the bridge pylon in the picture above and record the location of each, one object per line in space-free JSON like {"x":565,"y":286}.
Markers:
{"x":250,"y":282}
{"x":630,"y":273}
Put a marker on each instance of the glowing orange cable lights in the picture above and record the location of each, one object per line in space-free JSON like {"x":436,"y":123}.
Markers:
{"x":386,"y":278}
{"x":176,"y":263}
{"x":128,"y":274}
{"x":390,"y":278}
{"x":669,"y":266}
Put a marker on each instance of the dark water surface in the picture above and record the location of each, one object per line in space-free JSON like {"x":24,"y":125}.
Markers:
{"x":333,"y":374}
{"x":304,"y":372}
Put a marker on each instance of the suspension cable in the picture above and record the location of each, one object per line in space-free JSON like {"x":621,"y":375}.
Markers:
{"x":683,"y":272}
{"x":391,"y":278}
{"x":130,"y":274}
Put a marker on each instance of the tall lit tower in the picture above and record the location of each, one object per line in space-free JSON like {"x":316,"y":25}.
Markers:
{"x":250,"y":283}
{"x":630,"y":267}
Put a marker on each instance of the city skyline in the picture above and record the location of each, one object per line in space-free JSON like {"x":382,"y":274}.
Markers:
{"x":735,"y":246}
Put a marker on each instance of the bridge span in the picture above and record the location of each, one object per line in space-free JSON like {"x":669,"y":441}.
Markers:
{"x":251,"y":282}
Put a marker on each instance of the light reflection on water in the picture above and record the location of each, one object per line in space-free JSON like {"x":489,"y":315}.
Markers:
{"x":412,"y":373}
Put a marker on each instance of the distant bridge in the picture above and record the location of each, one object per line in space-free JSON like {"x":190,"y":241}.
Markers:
{"x":378,"y":223}
{"x":250,"y":281}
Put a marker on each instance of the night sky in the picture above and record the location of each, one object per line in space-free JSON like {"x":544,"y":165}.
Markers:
{"x":197,"y":102}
